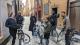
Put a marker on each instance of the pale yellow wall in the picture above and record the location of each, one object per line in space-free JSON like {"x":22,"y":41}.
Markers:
{"x":60,"y":4}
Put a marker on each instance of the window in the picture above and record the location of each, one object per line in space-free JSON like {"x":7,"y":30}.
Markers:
{"x":46,"y":9}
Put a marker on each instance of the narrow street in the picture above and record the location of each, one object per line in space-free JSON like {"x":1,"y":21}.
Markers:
{"x":33,"y":41}
{"x":39,"y":22}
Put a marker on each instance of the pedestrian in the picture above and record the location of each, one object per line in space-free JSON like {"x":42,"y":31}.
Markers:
{"x":68,"y":36}
{"x":12,"y":25}
{"x":32,"y":22}
{"x":53,"y":20}
{"x":47,"y":30}
{"x":19,"y":19}
{"x":67,"y":27}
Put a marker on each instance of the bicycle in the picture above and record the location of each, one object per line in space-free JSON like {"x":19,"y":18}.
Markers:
{"x":23,"y":38}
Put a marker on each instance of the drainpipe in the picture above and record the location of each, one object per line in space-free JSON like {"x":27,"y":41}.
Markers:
{"x":15,"y":7}
{"x":41,"y":8}
{"x":67,"y":7}
{"x":68,"y":13}
{"x":18,"y":5}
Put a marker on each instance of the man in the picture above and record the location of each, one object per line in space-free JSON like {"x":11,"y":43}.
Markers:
{"x":67,"y":28}
{"x":19,"y":19}
{"x":53,"y":20}
{"x":12,"y":25}
{"x":68,"y":36}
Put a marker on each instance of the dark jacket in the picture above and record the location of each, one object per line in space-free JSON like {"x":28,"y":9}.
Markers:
{"x":53,"y":19}
{"x":19,"y":19}
{"x":47,"y":30}
{"x":32,"y":22}
{"x":11,"y":23}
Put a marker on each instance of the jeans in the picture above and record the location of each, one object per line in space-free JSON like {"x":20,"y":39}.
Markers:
{"x":53,"y":28}
{"x":41,"y":39}
{"x":46,"y":41}
{"x":13,"y":34}
{"x":67,"y":39}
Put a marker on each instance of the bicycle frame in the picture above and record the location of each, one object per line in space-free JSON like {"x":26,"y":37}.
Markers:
{"x":22,"y":37}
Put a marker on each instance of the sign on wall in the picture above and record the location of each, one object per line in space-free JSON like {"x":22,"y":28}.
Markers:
{"x":0,"y":29}
{"x":46,"y":9}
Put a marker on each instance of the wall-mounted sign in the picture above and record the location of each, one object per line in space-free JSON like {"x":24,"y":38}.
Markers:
{"x":0,"y":29}
{"x":46,"y":9}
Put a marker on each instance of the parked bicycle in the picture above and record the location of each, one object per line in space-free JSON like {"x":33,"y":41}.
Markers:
{"x":75,"y":39}
{"x":23,"y":38}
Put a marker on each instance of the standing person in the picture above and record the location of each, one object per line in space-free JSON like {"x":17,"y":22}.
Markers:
{"x":68,"y":36}
{"x":19,"y":19}
{"x":12,"y":25}
{"x":67,"y":27}
{"x":64,"y":18}
{"x":32,"y":22}
{"x":47,"y":30}
{"x":53,"y":20}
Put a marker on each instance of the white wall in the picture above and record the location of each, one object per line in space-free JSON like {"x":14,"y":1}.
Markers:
{"x":4,"y":16}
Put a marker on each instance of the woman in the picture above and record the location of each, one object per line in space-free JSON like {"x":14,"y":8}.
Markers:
{"x":32,"y":23}
{"x":47,"y":30}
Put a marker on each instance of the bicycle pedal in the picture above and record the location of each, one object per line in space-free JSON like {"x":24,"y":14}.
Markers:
{"x":25,"y":39}
{"x":26,"y":42}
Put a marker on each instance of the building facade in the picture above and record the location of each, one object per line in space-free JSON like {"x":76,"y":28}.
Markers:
{"x":75,"y":14}
{"x":59,"y":5}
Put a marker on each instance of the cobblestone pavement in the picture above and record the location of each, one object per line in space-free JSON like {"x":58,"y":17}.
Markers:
{"x":34,"y":40}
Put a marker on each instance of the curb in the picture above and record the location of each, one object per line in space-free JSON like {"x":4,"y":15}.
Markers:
{"x":6,"y":40}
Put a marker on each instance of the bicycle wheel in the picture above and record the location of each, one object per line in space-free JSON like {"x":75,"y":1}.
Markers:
{"x":26,"y":38}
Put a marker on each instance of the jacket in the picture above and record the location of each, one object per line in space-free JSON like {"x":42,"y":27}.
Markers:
{"x":53,"y":19}
{"x":47,"y":30}
{"x":11,"y":23}
{"x":19,"y":19}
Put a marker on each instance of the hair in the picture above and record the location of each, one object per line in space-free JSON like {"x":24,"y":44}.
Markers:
{"x":63,"y":12}
{"x":48,"y":18}
{"x":19,"y":12}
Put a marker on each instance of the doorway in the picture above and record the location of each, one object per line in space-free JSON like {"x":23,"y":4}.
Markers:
{"x":54,"y":10}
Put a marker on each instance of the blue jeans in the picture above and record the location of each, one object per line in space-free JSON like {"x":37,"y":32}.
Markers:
{"x":53,"y":28}
{"x":47,"y":41}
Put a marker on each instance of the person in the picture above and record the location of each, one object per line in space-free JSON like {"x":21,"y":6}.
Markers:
{"x":64,"y":17}
{"x":12,"y":25}
{"x":67,"y":27}
{"x":67,"y":36}
{"x":47,"y":30}
{"x":19,"y":19}
{"x":40,"y":30}
{"x":32,"y":22}
{"x":53,"y":20}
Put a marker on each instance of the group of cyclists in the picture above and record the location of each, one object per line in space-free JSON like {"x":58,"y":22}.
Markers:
{"x":43,"y":28}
